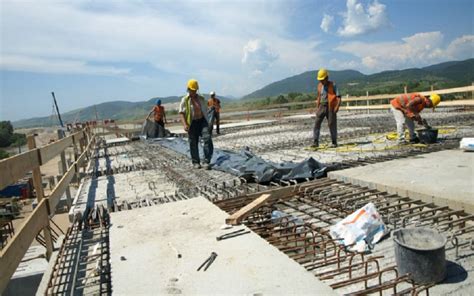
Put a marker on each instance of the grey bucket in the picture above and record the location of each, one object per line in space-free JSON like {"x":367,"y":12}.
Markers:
{"x":420,"y":252}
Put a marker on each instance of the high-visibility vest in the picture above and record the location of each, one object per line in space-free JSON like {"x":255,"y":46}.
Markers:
{"x":401,"y":102}
{"x":187,"y":102}
{"x":216,"y":103}
{"x":159,"y":112}
{"x":332,"y":98}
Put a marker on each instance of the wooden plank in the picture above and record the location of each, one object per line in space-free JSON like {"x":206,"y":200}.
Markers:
{"x":12,"y":254}
{"x":60,"y":188}
{"x":38,"y":184}
{"x":14,"y":168}
{"x":244,"y":212}
{"x":77,"y":136}
{"x":50,"y":151}
{"x":81,"y":158}
{"x":64,"y":169}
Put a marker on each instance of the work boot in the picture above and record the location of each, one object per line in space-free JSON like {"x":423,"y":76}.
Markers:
{"x":315,"y":144}
{"x":207,"y":166}
{"x":196,"y":166}
{"x":333,"y":145}
{"x":401,"y":142}
{"x":414,"y":140}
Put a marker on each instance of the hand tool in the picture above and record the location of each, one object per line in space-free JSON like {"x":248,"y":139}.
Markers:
{"x":208,"y":261}
{"x":232,"y":234}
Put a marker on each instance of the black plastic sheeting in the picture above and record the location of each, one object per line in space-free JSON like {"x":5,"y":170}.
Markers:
{"x":249,"y":166}
{"x":152,"y":130}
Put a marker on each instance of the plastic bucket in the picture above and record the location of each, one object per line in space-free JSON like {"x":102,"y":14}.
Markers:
{"x":420,"y":252}
{"x":428,"y":136}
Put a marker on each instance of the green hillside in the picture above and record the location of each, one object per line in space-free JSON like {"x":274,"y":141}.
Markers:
{"x":118,"y":110}
{"x":301,"y":87}
{"x":449,"y":74}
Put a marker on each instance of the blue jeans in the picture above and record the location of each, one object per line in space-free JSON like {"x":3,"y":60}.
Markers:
{"x":200,"y":128}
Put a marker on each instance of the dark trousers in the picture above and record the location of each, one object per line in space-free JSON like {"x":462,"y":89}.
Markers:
{"x":324,"y":112}
{"x":159,"y":129}
{"x":214,"y":117}
{"x":200,"y":128}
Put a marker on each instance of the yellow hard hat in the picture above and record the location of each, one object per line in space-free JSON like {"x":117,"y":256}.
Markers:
{"x":435,"y":99}
{"x":322,"y":74}
{"x":193,"y":84}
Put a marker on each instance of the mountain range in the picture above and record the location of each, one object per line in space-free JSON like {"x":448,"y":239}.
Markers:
{"x":448,"y":74}
{"x":444,"y":75}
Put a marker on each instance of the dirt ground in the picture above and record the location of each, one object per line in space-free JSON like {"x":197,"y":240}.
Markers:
{"x":48,"y":170}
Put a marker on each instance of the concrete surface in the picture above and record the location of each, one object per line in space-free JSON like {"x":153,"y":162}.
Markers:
{"x":445,"y":178}
{"x":28,"y":274}
{"x":179,"y":128}
{"x":144,"y":261}
{"x":131,"y":187}
{"x":117,"y":141}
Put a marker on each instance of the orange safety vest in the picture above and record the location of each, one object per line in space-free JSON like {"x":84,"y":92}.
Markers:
{"x":401,"y":103}
{"x":216,"y":103}
{"x":159,"y":112}
{"x":332,"y":98}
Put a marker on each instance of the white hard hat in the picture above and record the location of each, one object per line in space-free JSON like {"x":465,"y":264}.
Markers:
{"x":212,"y":93}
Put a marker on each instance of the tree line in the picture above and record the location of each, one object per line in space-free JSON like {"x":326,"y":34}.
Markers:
{"x":9,"y":138}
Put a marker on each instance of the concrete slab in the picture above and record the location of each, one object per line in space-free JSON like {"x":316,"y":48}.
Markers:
{"x":130,"y":187}
{"x":445,"y":178}
{"x":116,"y":141}
{"x":144,"y":261}
{"x":28,"y":274}
{"x":179,"y":129}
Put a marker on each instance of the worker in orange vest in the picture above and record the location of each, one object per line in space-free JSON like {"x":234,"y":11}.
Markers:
{"x":214,"y":110}
{"x":159,"y":116}
{"x":406,"y":109}
{"x":327,"y":105}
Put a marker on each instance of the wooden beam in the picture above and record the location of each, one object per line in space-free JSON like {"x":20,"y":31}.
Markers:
{"x":77,"y":136}
{"x":81,"y":158}
{"x":16,"y":167}
{"x":244,"y":212}
{"x":12,"y":254}
{"x":64,"y":170}
{"x":60,"y":188}
{"x":38,"y":184}
{"x":50,"y":151}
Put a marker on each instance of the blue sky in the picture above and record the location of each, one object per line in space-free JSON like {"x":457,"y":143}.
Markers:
{"x":89,"y":52}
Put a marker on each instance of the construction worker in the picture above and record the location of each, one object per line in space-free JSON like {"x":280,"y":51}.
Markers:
{"x":214,"y":105}
{"x":327,"y":104}
{"x":159,"y":116}
{"x":406,"y":108}
{"x":193,"y":111}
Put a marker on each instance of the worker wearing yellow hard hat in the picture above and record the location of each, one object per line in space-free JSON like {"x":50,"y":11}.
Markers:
{"x":406,"y":109}
{"x":328,"y":101}
{"x":193,"y":114}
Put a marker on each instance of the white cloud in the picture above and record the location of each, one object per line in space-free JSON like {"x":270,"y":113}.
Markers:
{"x":461,"y":48}
{"x":358,"y":20}
{"x":418,"y":50}
{"x":258,"y":56}
{"x":327,"y":22}
{"x":48,"y":65}
{"x":177,"y":37}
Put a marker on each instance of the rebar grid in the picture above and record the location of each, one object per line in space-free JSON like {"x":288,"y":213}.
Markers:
{"x":303,"y":233}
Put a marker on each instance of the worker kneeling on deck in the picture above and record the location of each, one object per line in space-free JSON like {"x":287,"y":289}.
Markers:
{"x":159,"y":116}
{"x":193,"y":111}
{"x":406,"y":109}
{"x":327,"y":105}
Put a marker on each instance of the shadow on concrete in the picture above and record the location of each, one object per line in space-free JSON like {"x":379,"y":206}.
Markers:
{"x":455,"y":273}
